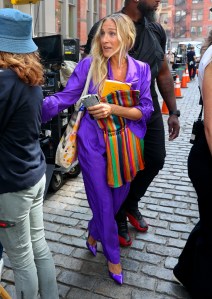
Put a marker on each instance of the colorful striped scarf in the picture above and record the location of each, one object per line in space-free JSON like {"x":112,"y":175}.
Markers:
{"x":124,"y":149}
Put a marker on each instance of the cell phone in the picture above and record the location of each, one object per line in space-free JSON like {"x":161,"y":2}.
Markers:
{"x":90,"y":100}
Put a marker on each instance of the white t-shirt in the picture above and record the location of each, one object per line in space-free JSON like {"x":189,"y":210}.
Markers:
{"x":205,"y":60}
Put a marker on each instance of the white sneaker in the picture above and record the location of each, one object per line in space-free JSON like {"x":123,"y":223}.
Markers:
{"x":1,"y":267}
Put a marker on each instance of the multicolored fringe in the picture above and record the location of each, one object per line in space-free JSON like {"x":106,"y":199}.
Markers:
{"x":124,"y":149}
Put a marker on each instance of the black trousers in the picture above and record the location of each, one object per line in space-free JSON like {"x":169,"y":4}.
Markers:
{"x":194,"y":266}
{"x":154,"y":156}
{"x":192,"y":71}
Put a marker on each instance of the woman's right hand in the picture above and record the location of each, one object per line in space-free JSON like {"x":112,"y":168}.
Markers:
{"x":102,"y":110}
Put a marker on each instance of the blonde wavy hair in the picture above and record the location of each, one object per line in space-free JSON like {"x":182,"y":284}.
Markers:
{"x":26,"y":66}
{"x":126,"y":34}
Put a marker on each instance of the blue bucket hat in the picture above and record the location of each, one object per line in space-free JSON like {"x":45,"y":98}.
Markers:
{"x":16,"y":32}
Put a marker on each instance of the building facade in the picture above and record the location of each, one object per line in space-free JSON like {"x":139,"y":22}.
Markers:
{"x":185,"y":20}
{"x":182,"y":20}
{"x":71,"y":18}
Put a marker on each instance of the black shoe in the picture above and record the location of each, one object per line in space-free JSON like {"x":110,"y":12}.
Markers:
{"x":179,"y":277}
{"x":124,"y":237}
{"x":137,"y":220}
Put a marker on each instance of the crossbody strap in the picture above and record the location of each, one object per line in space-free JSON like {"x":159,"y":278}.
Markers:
{"x":85,"y":90}
{"x":87,"y":83}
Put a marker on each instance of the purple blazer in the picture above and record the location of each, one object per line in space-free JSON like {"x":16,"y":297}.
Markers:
{"x":138,"y":74}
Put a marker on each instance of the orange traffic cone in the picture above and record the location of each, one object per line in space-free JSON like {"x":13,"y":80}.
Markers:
{"x":177,"y":89}
{"x":187,"y":76}
{"x":164,"y":109}
{"x":184,"y":81}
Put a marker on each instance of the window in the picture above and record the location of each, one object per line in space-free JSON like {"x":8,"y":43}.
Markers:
{"x":180,"y":14}
{"x":179,"y":2}
{"x":164,"y":3}
{"x":58,"y":16}
{"x":92,"y":12}
{"x":196,"y":15}
{"x":72,"y":18}
{"x":95,"y":11}
{"x":7,"y":4}
{"x":197,"y":1}
{"x":110,"y":6}
{"x":196,"y":31}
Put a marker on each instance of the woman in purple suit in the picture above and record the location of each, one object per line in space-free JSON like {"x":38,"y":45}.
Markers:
{"x":109,"y":60}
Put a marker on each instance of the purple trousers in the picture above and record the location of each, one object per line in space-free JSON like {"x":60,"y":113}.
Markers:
{"x":103,"y":200}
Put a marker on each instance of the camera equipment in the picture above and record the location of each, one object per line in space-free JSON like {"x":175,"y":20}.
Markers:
{"x":51,"y":53}
{"x":71,"y":49}
{"x":50,"y":48}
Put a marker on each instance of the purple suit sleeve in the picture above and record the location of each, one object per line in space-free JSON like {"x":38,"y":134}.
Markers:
{"x":54,"y":104}
{"x":146,"y":105}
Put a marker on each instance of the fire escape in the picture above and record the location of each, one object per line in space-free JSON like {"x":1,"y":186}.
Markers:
{"x":181,"y":12}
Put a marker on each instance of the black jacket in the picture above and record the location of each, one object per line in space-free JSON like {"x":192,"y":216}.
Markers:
{"x":22,"y":163}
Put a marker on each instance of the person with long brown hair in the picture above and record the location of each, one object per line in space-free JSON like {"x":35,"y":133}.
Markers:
{"x":22,"y":175}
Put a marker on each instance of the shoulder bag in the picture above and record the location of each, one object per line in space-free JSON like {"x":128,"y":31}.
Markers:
{"x":66,"y":153}
{"x":198,"y":125}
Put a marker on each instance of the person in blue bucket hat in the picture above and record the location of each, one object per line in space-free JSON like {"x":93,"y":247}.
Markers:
{"x":22,"y":175}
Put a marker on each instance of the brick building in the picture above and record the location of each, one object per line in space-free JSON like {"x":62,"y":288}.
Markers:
{"x":182,"y":19}
{"x":186,"y":19}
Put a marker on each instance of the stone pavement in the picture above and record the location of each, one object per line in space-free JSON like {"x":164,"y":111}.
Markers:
{"x":169,"y":206}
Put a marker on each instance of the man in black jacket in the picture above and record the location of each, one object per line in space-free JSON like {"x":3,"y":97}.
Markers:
{"x":149,"y":47}
{"x":191,"y":60}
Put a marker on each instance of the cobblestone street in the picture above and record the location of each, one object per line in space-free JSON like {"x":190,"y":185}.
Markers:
{"x":170,"y":208}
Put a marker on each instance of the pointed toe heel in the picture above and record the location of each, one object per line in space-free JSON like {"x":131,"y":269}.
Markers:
{"x":92,"y":249}
{"x":118,"y":278}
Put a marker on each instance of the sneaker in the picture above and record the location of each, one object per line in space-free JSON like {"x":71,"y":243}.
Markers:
{"x":1,"y":267}
{"x":124,"y":237}
{"x":137,"y":220}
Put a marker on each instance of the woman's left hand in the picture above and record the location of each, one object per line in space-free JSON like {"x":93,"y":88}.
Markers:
{"x":101,"y":110}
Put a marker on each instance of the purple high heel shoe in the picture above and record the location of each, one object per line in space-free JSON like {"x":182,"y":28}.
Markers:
{"x":92,"y":249}
{"x":119,"y":278}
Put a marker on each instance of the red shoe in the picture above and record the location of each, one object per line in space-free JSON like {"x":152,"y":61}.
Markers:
{"x":124,"y":237}
{"x":137,"y":220}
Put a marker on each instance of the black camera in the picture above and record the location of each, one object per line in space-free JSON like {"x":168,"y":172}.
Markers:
{"x":197,"y":129}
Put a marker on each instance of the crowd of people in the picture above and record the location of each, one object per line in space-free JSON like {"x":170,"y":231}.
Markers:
{"x":127,"y":46}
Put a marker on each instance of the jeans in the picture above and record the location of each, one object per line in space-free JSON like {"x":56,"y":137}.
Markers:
{"x":25,"y":243}
{"x":192,"y":71}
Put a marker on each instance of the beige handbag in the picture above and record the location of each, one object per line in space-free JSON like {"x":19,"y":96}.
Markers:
{"x":66,"y":153}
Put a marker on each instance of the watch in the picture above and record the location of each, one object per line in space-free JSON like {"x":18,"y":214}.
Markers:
{"x":176,"y":112}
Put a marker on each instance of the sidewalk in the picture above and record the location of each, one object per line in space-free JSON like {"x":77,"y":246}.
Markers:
{"x":169,"y":206}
